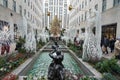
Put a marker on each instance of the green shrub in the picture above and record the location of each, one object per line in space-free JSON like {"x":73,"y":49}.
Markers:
{"x":2,"y":61}
{"x":20,"y":45}
{"x":88,"y":78}
{"x":108,"y":66}
{"x":108,"y":76}
{"x":40,"y":43}
{"x":22,"y":50}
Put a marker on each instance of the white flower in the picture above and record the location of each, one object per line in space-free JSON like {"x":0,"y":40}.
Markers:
{"x":1,"y":69}
{"x":5,"y":69}
{"x":10,"y":66}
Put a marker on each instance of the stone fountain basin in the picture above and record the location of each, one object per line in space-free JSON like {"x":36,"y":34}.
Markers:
{"x":83,"y":67}
{"x":60,"y":46}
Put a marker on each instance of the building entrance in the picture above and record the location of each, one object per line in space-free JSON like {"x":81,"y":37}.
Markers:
{"x":109,"y":30}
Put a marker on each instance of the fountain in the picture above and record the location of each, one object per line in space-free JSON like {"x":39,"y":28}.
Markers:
{"x":38,"y":66}
{"x":91,"y":47}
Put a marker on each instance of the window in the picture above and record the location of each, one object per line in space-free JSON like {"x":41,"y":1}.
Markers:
{"x":83,"y":4}
{"x":104,"y":5}
{"x":51,"y":2}
{"x":31,"y":5}
{"x":25,"y":1}
{"x":86,"y":2}
{"x":20,"y":8}
{"x":24,"y":11}
{"x":82,"y":17}
{"x":28,"y":3}
{"x":31,"y":17}
{"x":116,"y":2}
{"x":14,"y":5}
{"x":28,"y":14}
{"x":5,"y":3}
{"x":65,"y":5}
{"x":79,"y":18}
{"x":96,"y":7}
{"x":85,"y":15}
{"x":2,"y":23}
{"x":79,"y":7}
{"x":90,"y":11}
{"x":15,"y":31}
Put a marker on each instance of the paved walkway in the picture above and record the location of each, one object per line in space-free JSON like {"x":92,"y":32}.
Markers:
{"x":110,"y":55}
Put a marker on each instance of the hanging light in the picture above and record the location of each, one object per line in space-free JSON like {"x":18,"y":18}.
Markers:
{"x":70,"y":7}
{"x":48,"y":13}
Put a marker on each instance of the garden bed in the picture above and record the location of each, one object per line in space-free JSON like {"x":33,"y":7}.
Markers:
{"x":11,"y":62}
{"x":76,"y":49}
{"x":109,"y":68}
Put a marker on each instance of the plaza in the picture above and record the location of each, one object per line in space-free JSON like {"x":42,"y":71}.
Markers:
{"x":59,"y":39}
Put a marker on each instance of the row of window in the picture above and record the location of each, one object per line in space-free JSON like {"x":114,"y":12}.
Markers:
{"x":5,"y":4}
{"x":21,"y":10}
{"x":84,"y":16}
{"x":104,"y":4}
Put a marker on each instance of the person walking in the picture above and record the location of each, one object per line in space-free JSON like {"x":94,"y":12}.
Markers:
{"x":111,"y":43}
{"x":117,"y":48}
{"x":105,"y":44}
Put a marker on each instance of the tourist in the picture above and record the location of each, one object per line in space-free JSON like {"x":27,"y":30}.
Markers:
{"x":2,"y":49}
{"x":105,"y":44}
{"x":117,"y":48}
{"x":74,"y":39}
{"x":77,"y":41}
{"x":7,"y":47}
{"x":111,"y":44}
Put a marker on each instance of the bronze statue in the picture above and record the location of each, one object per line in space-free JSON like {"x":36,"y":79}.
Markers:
{"x":56,"y":69}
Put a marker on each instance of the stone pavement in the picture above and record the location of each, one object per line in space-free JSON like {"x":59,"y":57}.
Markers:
{"x":110,"y":55}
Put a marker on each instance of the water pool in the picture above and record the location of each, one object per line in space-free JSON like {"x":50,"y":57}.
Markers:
{"x":40,"y":67}
{"x":60,"y":46}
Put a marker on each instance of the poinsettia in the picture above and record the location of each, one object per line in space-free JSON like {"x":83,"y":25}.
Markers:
{"x":10,"y":77}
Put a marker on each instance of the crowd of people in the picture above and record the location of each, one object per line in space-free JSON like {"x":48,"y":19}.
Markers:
{"x":106,"y":43}
{"x":111,"y":43}
{"x":77,"y":41}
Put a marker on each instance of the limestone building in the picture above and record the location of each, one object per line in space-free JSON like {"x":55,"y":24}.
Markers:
{"x":56,"y":7}
{"x":21,"y":16}
{"x":110,"y":12}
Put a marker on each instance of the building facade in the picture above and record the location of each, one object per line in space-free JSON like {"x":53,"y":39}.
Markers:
{"x":18,"y":14}
{"x":56,"y":7}
{"x":110,"y":13}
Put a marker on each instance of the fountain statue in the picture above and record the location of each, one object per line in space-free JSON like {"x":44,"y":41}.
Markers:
{"x":91,"y":47}
{"x":56,"y":69}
